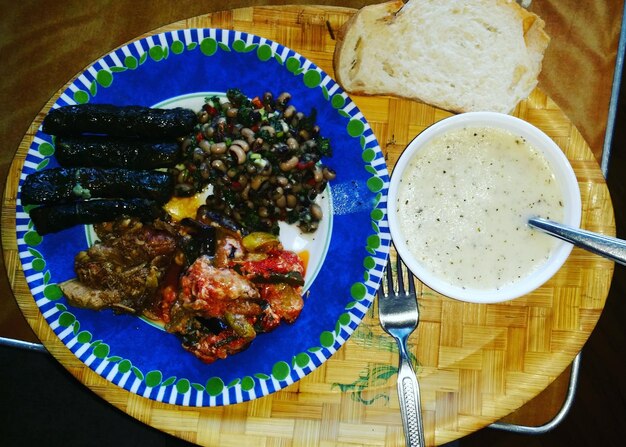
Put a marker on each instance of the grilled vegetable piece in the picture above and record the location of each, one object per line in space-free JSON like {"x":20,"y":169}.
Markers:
{"x":111,"y":152}
{"x":284,"y":299}
{"x":52,"y":218}
{"x":61,"y":185}
{"x":120,"y":121}
{"x":260,"y":242}
{"x":215,"y":218}
{"x":274,"y":266}
{"x":200,"y":240}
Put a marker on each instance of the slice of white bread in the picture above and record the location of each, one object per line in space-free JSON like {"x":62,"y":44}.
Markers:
{"x":458,"y":55}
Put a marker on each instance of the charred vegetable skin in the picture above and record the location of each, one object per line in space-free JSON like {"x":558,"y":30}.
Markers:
{"x":105,"y":164}
{"x":108,"y":152}
{"x":52,"y":218}
{"x":119,"y":121}
{"x":263,"y":158}
{"x":61,"y":185}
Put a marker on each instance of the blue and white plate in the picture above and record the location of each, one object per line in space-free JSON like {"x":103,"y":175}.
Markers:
{"x":348,"y":253}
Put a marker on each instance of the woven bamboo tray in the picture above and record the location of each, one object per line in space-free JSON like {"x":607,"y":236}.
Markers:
{"x":477,"y":363}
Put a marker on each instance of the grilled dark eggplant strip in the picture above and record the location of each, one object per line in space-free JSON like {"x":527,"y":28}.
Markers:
{"x":216,"y":219}
{"x":114,"y":152}
{"x":61,"y":185}
{"x":52,"y":218}
{"x":119,"y":121}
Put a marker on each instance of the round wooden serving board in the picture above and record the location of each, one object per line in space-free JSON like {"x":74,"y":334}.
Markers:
{"x":476,"y":363}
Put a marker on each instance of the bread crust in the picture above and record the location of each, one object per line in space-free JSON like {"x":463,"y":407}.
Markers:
{"x":365,"y":25}
{"x":389,"y":8}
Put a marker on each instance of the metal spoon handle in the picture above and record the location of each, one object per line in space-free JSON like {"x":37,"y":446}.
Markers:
{"x":609,"y":247}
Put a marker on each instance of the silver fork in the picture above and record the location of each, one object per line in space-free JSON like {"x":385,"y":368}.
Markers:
{"x":399,"y":315}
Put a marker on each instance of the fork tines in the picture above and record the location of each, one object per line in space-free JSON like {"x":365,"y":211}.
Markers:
{"x":400,"y":279}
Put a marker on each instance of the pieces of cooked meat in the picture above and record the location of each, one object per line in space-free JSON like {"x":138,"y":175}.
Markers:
{"x":80,"y":295}
{"x":212,"y":291}
{"x":124,"y":270}
{"x":217,"y":302}
{"x":246,"y":292}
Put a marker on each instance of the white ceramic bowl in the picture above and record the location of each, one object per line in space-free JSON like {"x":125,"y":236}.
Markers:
{"x":563,"y":173}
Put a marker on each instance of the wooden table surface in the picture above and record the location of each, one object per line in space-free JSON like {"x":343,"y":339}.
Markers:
{"x":36,"y":78}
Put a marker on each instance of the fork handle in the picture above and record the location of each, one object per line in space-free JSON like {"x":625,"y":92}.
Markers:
{"x":410,"y":405}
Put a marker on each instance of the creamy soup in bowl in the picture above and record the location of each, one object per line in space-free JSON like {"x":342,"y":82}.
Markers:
{"x":459,"y":200}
